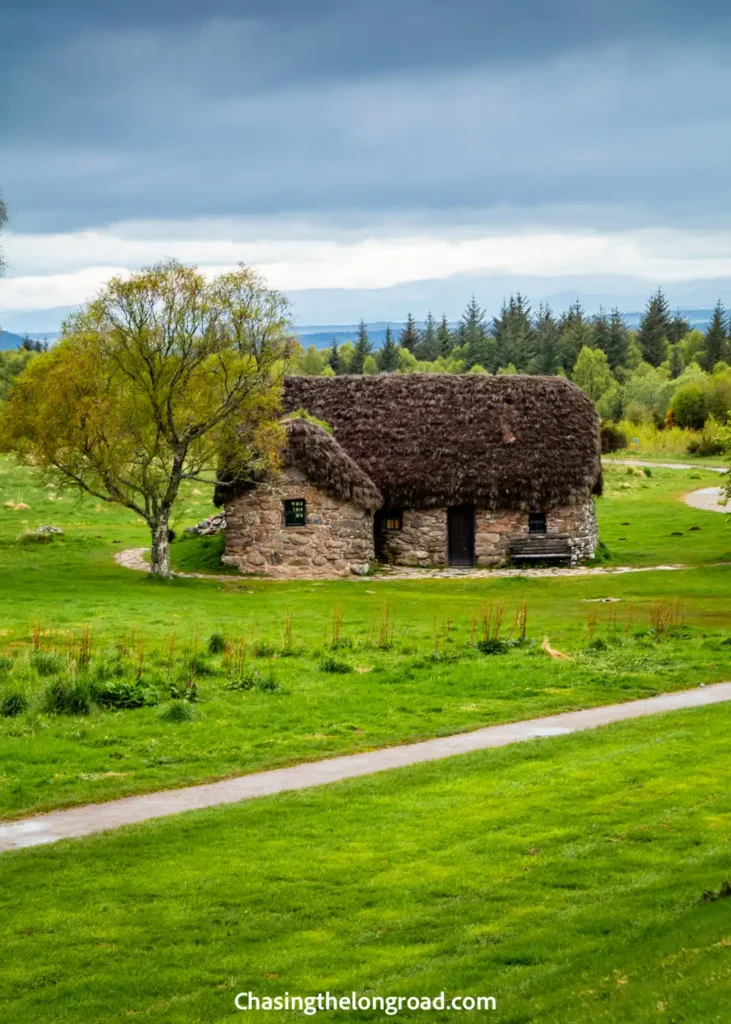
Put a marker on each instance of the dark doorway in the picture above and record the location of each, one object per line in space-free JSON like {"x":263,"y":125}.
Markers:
{"x":461,"y":535}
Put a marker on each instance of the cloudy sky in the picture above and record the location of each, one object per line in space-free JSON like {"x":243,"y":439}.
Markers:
{"x":368,"y":154}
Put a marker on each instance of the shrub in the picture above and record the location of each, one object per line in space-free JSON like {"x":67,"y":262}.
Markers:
{"x":247,"y":681}
{"x":492,"y":645}
{"x":710,"y":442}
{"x":335,"y":666}
{"x":178,"y":711}
{"x":199,"y":666}
{"x":124,"y":693}
{"x":13,"y":704}
{"x":46,"y":663}
{"x":112,"y":669}
{"x":68,"y":696}
{"x":265,"y":650}
{"x":690,"y":406}
{"x":216,"y":643}
{"x":613,"y":438}
{"x":267,"y":684}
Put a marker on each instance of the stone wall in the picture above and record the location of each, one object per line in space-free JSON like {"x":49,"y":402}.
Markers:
{"x":423,"y":539}
{"x":337,"y":540}
{"x":495,"y":529}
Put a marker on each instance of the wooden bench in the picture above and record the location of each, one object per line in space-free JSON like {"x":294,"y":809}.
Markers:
{"x":541,"y":547}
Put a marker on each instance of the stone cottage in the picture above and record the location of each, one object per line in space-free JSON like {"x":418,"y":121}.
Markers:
{"x":422,"y":470}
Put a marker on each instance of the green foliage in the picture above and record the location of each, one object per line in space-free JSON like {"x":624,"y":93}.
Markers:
{"x":654,"y":326}
{"x":514,"y":337}
{"x":123,"y":693}
{"x":68,"y":695}
{"x":177,"y":712}
{"x":410,"y":337}
{"x":592,"y":372}
{"x":361,"y":350}
{"x":127,"y":405}
{"x":690,"y":406}
{"x":303,"y":414}
{"x":473,"y":337}
{"x":335,"y":666}
{"x":46,"y":663}
{"x":388,"y":356}
{"x":613,"y":438}
{"x":715,"y":343}
{"x":370,"y":366}
{"x":13,"y":704}
{"x":575,"y":334}
{"x":445,"y":338}
{"x":428,"y":347}
{"x":216,"y":643}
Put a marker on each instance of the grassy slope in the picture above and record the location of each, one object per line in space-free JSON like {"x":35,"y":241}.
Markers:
{"x":50,"y":761}
{"x":564,"y":877}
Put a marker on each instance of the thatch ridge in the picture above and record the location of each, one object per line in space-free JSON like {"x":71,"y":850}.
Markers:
{"x":428,"y":440}
{"x":318,"y":455}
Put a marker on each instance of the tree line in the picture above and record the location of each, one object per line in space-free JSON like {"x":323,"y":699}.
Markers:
{"x":522,"y":340}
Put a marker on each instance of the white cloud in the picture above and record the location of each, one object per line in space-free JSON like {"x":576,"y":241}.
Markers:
{"x":66,"y":269}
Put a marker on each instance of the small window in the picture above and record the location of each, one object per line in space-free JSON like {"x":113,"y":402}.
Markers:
{"x":393,"y":519}
{"x":295,"y":512}
{"x":536,"y":522}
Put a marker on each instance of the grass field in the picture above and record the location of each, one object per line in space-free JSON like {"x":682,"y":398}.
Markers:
{"x":565,"y":877}
{"x":408,"y":650}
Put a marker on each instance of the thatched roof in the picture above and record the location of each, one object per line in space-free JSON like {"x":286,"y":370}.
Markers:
{"x":427,"y":440}
{"x":318,"y":455}
{"x":326,"y":465}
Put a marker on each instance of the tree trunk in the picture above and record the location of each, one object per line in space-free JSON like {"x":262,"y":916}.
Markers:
{"x":160,"y":562}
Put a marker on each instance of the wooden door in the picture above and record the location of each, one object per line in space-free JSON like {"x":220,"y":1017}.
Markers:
{"x":461,"y":535}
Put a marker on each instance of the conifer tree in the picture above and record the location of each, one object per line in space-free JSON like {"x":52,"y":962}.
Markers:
{"x":361,"y":350}
{"x":653,"y":332}
{"x":616,"y":342}
{"x":333,"y":357}
{"x":546,"y":342}
{"x":428,"y":347}
{"x":513,"y":333}
{"x":677,"y":328}
{"x":576,"y":334}
{"x":445,"y":338}
{"x":714,"y":340}
{"x":677,"y":364}
{"x":410,"y":336}
{"x":388,"y":356}
{"x":474,"y":338}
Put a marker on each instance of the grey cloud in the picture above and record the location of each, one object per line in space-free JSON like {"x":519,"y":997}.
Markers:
{"x":377,"y":111}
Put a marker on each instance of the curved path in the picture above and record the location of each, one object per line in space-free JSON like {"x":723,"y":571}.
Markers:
{"x":83,"y":821}
{"x":708,"y":499}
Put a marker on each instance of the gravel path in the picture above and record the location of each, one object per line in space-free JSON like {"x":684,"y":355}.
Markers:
{"x":665,"y":465}
{"x":83,"y":821}
{"x":133,"y":558}
{"x":707,"y":499}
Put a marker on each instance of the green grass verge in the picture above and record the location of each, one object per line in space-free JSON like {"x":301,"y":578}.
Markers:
{"x":565,"y":877}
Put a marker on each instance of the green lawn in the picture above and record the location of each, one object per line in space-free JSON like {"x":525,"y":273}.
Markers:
{"x":427,"y":679}
{"x":564,"y":877}
{"x":643,"y":521}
